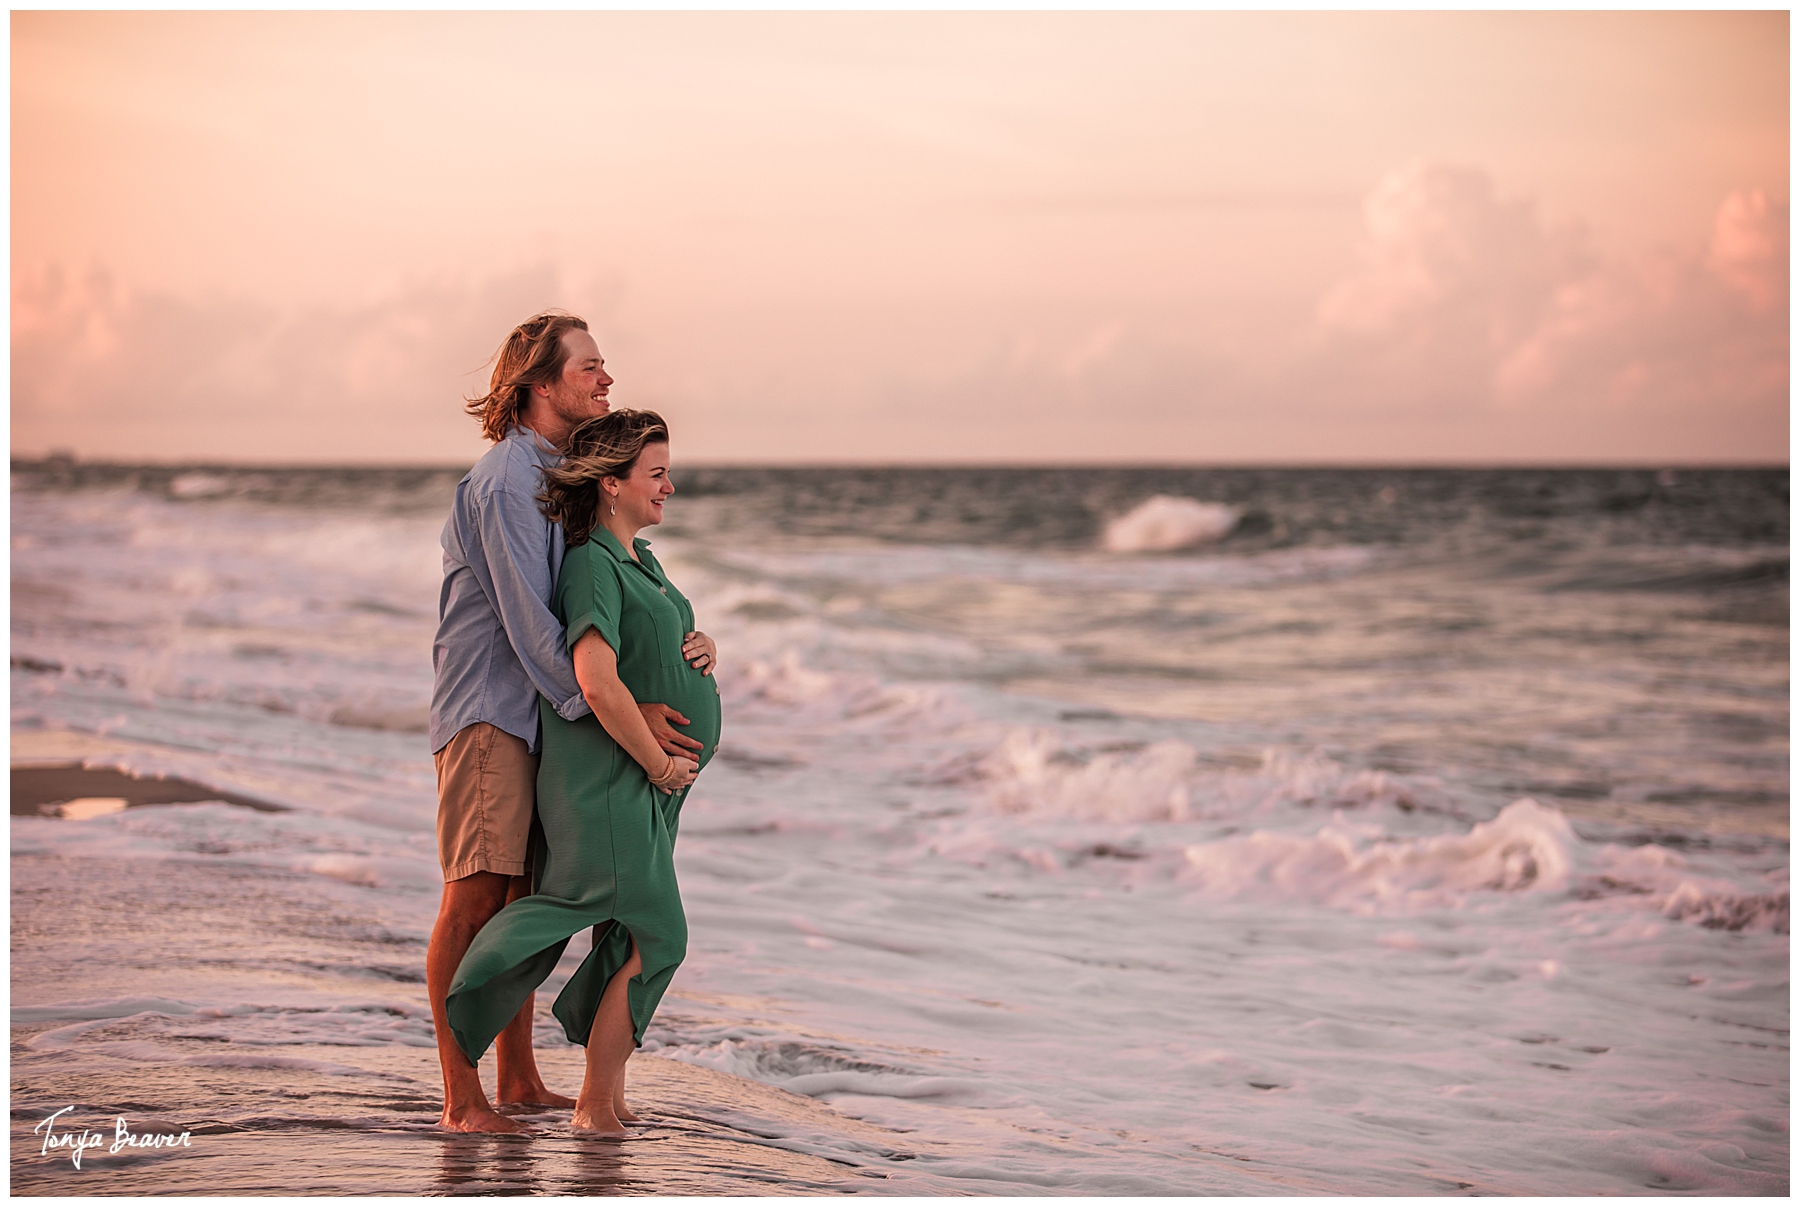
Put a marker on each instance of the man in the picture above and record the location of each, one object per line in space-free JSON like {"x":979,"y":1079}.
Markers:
{"x":497,"y":648}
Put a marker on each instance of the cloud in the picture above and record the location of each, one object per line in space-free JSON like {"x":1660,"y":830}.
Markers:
{"x":1468,"y":300}
{"x":1449,"y":270}
{"x":1470,"y":331}
{"x":1750,"y":249}
{"x":141,"y":374}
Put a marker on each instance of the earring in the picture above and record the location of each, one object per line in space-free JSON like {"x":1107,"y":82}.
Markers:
{"x":612,"y":509}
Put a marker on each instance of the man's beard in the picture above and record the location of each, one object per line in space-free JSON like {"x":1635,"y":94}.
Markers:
{"x":574,"y":415}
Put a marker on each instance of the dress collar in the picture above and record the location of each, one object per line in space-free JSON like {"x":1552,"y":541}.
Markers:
{"x":606,"y":540}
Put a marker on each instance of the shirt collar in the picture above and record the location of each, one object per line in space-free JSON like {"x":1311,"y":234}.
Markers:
{"x":611,"y":544}
{"x":540,"y":446}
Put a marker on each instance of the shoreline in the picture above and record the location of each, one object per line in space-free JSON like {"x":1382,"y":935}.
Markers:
{"x":709,"y":1133}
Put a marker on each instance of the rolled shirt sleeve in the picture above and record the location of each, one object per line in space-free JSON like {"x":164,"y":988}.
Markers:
{"x":592,"y":599}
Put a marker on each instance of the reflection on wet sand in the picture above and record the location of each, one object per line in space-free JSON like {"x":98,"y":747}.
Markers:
{"x":491,"y":1165}
{"x":708,"y":1134}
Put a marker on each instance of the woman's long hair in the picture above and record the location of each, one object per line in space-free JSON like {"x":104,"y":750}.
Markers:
{"x":607,"y":446}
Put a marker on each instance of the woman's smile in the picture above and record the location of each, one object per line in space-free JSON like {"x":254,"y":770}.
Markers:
{"x":642,"y":491}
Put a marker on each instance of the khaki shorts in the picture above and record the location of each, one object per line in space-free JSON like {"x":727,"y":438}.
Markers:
{"x":487,"y":784}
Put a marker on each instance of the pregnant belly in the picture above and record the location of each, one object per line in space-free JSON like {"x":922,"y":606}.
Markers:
{"x":694,"y":696}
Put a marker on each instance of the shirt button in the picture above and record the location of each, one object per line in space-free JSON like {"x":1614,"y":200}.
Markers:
{"x":664,"y":590}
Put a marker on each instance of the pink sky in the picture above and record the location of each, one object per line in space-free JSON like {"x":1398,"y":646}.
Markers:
{"x":1003,"y":237}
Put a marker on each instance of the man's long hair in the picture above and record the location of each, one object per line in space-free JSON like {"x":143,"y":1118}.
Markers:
{"x":532,"y":355}
{"x":606,"y":446}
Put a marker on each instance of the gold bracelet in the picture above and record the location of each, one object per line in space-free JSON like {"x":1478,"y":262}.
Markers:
{"x":671,"y":774}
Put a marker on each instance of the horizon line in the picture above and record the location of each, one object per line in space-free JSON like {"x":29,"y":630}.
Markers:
{"x":68,"y":459}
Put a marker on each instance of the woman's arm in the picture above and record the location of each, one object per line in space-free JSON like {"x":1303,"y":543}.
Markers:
{"x":597,"y":670}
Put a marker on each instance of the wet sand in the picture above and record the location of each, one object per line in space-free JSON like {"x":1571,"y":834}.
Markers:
{"x":42,"y":790}
{"x":322,"y":1118}
{"x":709,"y":1133}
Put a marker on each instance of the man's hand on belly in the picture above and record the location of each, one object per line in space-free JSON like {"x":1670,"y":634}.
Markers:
{"x":659,"y":718}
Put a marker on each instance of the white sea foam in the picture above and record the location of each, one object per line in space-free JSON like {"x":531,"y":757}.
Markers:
{"x":373,"y":870}
{"x":861,"y":700}
{"x":149,"y":1053}
{"x":1727,"y":908}
{"x":121,"y":1007}
{"x":199,"y":486}
{"x":817,"y":1072}
{"x":1032,"y":772}
{"x":904,"y":565}
{"x":340,"y":848}
{"x":1163,"y":523}
{"x":1027,"y":776}
{"x":1654,"y":877}
{"x":337,"y":1024}
{"x":1527,"y":848}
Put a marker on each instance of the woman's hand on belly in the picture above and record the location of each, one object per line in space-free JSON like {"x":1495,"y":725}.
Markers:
{"x":597,"y":671}
{"x":679,"y":774}
{"x":700,"y":652}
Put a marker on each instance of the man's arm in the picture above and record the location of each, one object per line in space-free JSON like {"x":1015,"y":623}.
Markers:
{"x":513,"y":568}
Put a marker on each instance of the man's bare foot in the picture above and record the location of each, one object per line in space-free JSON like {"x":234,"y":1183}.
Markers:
{"x":599,"y":1124}
{"x":622,"y":1112}
{"x":538,"y":1095}
{"x":479,"y":1118}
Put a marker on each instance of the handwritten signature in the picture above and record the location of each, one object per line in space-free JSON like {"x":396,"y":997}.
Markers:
{"x":79,"y":1142}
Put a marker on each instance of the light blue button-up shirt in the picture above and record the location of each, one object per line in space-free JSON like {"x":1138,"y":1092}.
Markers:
{"x":497,"y":644}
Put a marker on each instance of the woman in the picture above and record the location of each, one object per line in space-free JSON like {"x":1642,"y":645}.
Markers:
{"x":608,"y":797}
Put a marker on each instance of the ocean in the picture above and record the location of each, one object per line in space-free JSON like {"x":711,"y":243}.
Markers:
{"x":1113,"y":831}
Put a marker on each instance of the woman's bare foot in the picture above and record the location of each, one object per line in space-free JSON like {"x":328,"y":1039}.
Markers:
{"x":599,"y":1124}
{"x":480,"y":1118}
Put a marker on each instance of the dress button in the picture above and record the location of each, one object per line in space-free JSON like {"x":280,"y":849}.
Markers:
{"x":664,"y":590}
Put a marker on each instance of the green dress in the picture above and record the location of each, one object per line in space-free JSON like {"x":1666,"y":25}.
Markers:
{"x":607,"y":852}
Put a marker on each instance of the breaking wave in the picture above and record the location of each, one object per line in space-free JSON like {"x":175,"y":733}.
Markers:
{"x":1031,"y":772}
{"x":1527,"y":848}
{"x":1164,"y":523}
{"x":1728,"y":910}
